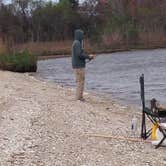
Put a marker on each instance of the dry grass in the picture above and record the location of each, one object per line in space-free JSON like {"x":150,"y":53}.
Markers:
{"x":46,"y":48}
{"x":2,"y":47}
{"x":50,"y":48}
{"x":152,"y":39}
{"x":146,"y":40}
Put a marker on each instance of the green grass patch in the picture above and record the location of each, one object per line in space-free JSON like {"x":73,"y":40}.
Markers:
{"x":18,"y":62}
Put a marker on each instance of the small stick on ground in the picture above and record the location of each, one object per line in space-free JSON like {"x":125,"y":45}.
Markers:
{"x":119,"y":138}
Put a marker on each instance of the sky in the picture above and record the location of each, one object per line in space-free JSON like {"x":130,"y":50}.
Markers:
{"x":8,"y":1}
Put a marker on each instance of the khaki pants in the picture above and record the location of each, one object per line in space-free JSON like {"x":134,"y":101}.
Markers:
{"x":80,"y":80}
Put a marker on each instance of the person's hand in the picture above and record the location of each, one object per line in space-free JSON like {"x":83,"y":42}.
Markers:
{"x":92,"y":56}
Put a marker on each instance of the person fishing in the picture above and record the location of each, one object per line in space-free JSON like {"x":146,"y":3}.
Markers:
{"x":79,"y":62}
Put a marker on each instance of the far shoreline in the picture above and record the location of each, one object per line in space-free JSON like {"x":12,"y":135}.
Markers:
{"x":66,"y":55}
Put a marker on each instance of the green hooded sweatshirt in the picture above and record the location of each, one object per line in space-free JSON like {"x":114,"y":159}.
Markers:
{"x":78,"y":55}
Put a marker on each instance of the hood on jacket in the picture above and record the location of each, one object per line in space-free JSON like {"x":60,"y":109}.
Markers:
{"x":79,"y":35}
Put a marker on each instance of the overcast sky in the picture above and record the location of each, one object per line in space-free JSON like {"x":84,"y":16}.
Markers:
{"x":8,"y":1}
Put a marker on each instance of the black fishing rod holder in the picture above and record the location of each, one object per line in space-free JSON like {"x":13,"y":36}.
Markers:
{"x":154,"y":113}
{"x":143,"y":125}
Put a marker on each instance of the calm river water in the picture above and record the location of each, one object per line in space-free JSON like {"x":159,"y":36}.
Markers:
{"x":115,"y":74}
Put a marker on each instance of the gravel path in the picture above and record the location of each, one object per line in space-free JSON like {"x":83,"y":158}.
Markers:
{"x":42,"y":125}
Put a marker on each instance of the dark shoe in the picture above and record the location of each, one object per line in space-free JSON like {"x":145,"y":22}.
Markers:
{"x":82,"y":100}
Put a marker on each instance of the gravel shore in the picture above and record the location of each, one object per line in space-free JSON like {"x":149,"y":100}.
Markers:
{"x":42,"y":125}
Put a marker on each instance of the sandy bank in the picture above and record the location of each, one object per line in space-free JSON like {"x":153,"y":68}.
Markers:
{"x":42,"y":125}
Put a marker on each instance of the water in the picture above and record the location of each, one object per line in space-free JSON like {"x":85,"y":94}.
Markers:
{"x":116,"y":74}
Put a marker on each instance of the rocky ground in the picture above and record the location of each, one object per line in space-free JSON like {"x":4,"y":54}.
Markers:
{"x":42,"y":125}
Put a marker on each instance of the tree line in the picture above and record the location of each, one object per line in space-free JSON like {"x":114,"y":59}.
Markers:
{"x":109,"y":21}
